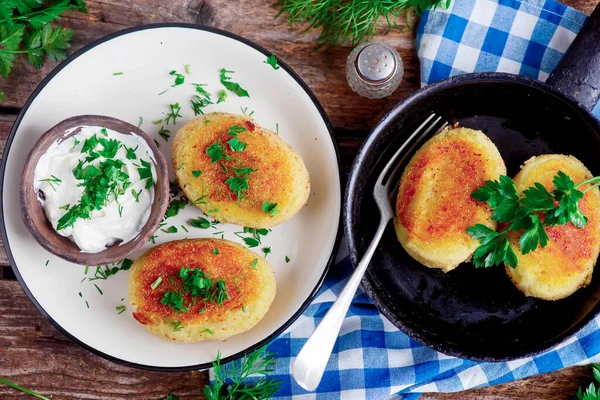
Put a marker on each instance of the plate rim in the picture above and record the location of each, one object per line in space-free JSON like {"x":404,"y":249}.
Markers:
{"x":349,"y":203}
{"x":91,"y":46}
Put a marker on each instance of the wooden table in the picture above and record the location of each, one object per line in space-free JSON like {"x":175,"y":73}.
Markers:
{"x":34,"y":354}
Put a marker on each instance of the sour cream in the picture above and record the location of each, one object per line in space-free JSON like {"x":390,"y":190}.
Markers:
{"x":119,"y":219}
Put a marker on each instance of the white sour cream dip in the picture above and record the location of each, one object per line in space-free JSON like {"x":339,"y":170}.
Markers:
{"x":119,"y":219}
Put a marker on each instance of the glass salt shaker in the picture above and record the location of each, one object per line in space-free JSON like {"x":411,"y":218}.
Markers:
{"x":374,"y":70}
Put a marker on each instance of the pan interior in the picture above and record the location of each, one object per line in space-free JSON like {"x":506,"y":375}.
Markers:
{"x":472,"y":313}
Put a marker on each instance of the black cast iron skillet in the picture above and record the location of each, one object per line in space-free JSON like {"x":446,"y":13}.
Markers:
{"x":478,"y":313}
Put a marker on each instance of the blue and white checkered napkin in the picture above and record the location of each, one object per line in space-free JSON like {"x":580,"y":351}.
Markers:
{"x":373,"y":360}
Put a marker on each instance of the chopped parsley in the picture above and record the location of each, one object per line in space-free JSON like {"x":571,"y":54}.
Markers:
{"x":267,"y":251}
{"x":156,"y":283}
{"x":136,"y":195}
{"x":131,"y":153}
{"x":201,"y":223}
{"x":173,"y":113}
{"x":287,"y":259}
{"x":272,"y":61}
{"x":179,"y":78}
{"x":232,"y":86}
{"x":270,"y":208}
{"x":164,"y":133}
{"x":176,"y":325}
{"x":254,"y":263}
{"x":196,"y":173}
{"x":121,"y":309}
{"x":215,"y":252}
{"x":53,"y":180}
{"x":222,"y":96}
{"x":171,"y":229}
{"x":215,"y":152}
{"x":174,"y":207}
{"x":145,"y":172}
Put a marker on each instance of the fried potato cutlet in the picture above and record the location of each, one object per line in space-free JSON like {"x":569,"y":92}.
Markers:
{"x":567,"y":262}
{"x":224,"y":290}
{"x":238,"y":172}
{"x":434,"y":207}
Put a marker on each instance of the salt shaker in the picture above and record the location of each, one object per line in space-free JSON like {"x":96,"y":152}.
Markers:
{"x":374,"y":70}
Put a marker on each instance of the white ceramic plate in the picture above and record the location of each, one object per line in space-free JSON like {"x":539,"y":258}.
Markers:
{"x":85,"y":84}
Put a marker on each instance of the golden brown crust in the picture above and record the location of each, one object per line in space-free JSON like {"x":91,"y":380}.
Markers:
{"x":281,"y":175}
{"x":251,"y":289}
{"x":434,"y":207}
{"x":567,"y":262}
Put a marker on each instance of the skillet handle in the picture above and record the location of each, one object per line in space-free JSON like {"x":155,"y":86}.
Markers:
{"x":578,"y":73}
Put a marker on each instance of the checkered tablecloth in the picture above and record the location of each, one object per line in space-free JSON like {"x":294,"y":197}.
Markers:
{"x":373,"y":360}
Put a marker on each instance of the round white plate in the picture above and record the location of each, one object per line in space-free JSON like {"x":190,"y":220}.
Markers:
{"x":86,"y":84}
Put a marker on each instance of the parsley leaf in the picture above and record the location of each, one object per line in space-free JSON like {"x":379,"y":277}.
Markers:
{"x":179,"y":78}
{"x":215,"y":151}
{"x":196,"y":173}
{"x":201,"y":223}
{"x":502,"y":197}
{"x":272,"y":61}
{"x":232,"y":86}
{"x":222,"y":96}
{"x":270,"y":208}
{"x":174,"y":207}
{"x":494,"y":248}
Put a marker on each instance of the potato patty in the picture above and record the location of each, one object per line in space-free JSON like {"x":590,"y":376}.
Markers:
{"x":434,"y":207}
{"x":567,"y":262}
{"x":248,"y":279}
{"x":235,"y":171}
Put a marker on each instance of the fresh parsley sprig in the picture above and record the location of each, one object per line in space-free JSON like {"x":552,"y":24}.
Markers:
{"x":591,"y":392}
{"x":529,"y":214}
{"x":25,"y":29}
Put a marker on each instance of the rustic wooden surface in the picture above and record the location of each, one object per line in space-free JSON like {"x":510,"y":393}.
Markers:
{"x":35,"y":355}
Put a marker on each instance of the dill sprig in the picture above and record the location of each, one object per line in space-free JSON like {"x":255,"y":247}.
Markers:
{"x":352,"y":20}
{"x":229,"y":381}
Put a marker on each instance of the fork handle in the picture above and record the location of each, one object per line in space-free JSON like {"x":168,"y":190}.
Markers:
{"x":312,"y":359}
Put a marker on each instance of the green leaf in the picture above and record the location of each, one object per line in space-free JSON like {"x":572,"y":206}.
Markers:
{"x":174,"y":207}
{"x":272,"y":61}
{"x":537,"y":198}
{"x":196,"y":173}
{"x":179,"y":78}
{"x":201,"y":223}
{"x":110,"y":147}
{"x":236,"y":145}
{"x":502,"y":196}
{"x":222,"y":96}
{"x":270,"y":208}
{"x":10,"y":38}
{"x":2,"y":97}
{"x":49,"y":14}
{"x":232,"y":86}
{"x":171,"y":397}
{"x":494,"y":247}
{"x":534,"y":235}
{"x":235,"y":130}
{"x":215,"y":152}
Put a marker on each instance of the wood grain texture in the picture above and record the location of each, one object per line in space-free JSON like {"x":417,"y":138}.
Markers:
{"x":34,"y":354}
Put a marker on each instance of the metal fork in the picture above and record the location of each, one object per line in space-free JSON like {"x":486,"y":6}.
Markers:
{"x":310,"y":364}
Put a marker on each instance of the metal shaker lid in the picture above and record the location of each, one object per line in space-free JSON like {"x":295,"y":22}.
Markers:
{"x":376,"y":63}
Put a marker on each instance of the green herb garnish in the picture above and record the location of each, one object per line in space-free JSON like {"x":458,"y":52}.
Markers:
{"x":136,"y":195}
{"x":117,"y":73}
{"x":188,"y":69}
{"x":179,"y":78}
{"x":272,"y":61}
{"x":270,"y":208}
{"x":267,"y":251}
{"x":53,"y":180}
{"x":174,"y":207}
{"x":201,"y":223}
{"x":173,"y":113}
{"x":215,"y":152}
{"x":287,"y":259}
{"x":229,"y":381}
{"x":591,"y":392}
{"x":164,"y":133}
{"x":196,"y":173}
{"x":531,"y":213}
{"x":171,"y":229}
{"x":156,"y":283}
{"x":207,"y":331}
{"x":145,"y":172}
{"x":215,"y":252}
{"x":222,"y":96}
{"x":232,"y":86}
{"x":24,"y":390}
{"x":174,"y":301}
{"x":121,"y":309}
{"x":176,"y":325}
{"x":254,"y":263}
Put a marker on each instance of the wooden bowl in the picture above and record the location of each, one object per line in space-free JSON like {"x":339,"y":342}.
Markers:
{"x":33,"y":213}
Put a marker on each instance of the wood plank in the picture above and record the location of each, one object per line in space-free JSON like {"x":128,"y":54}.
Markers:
{"x":35,"y":355}
{"x":324,"y":71}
